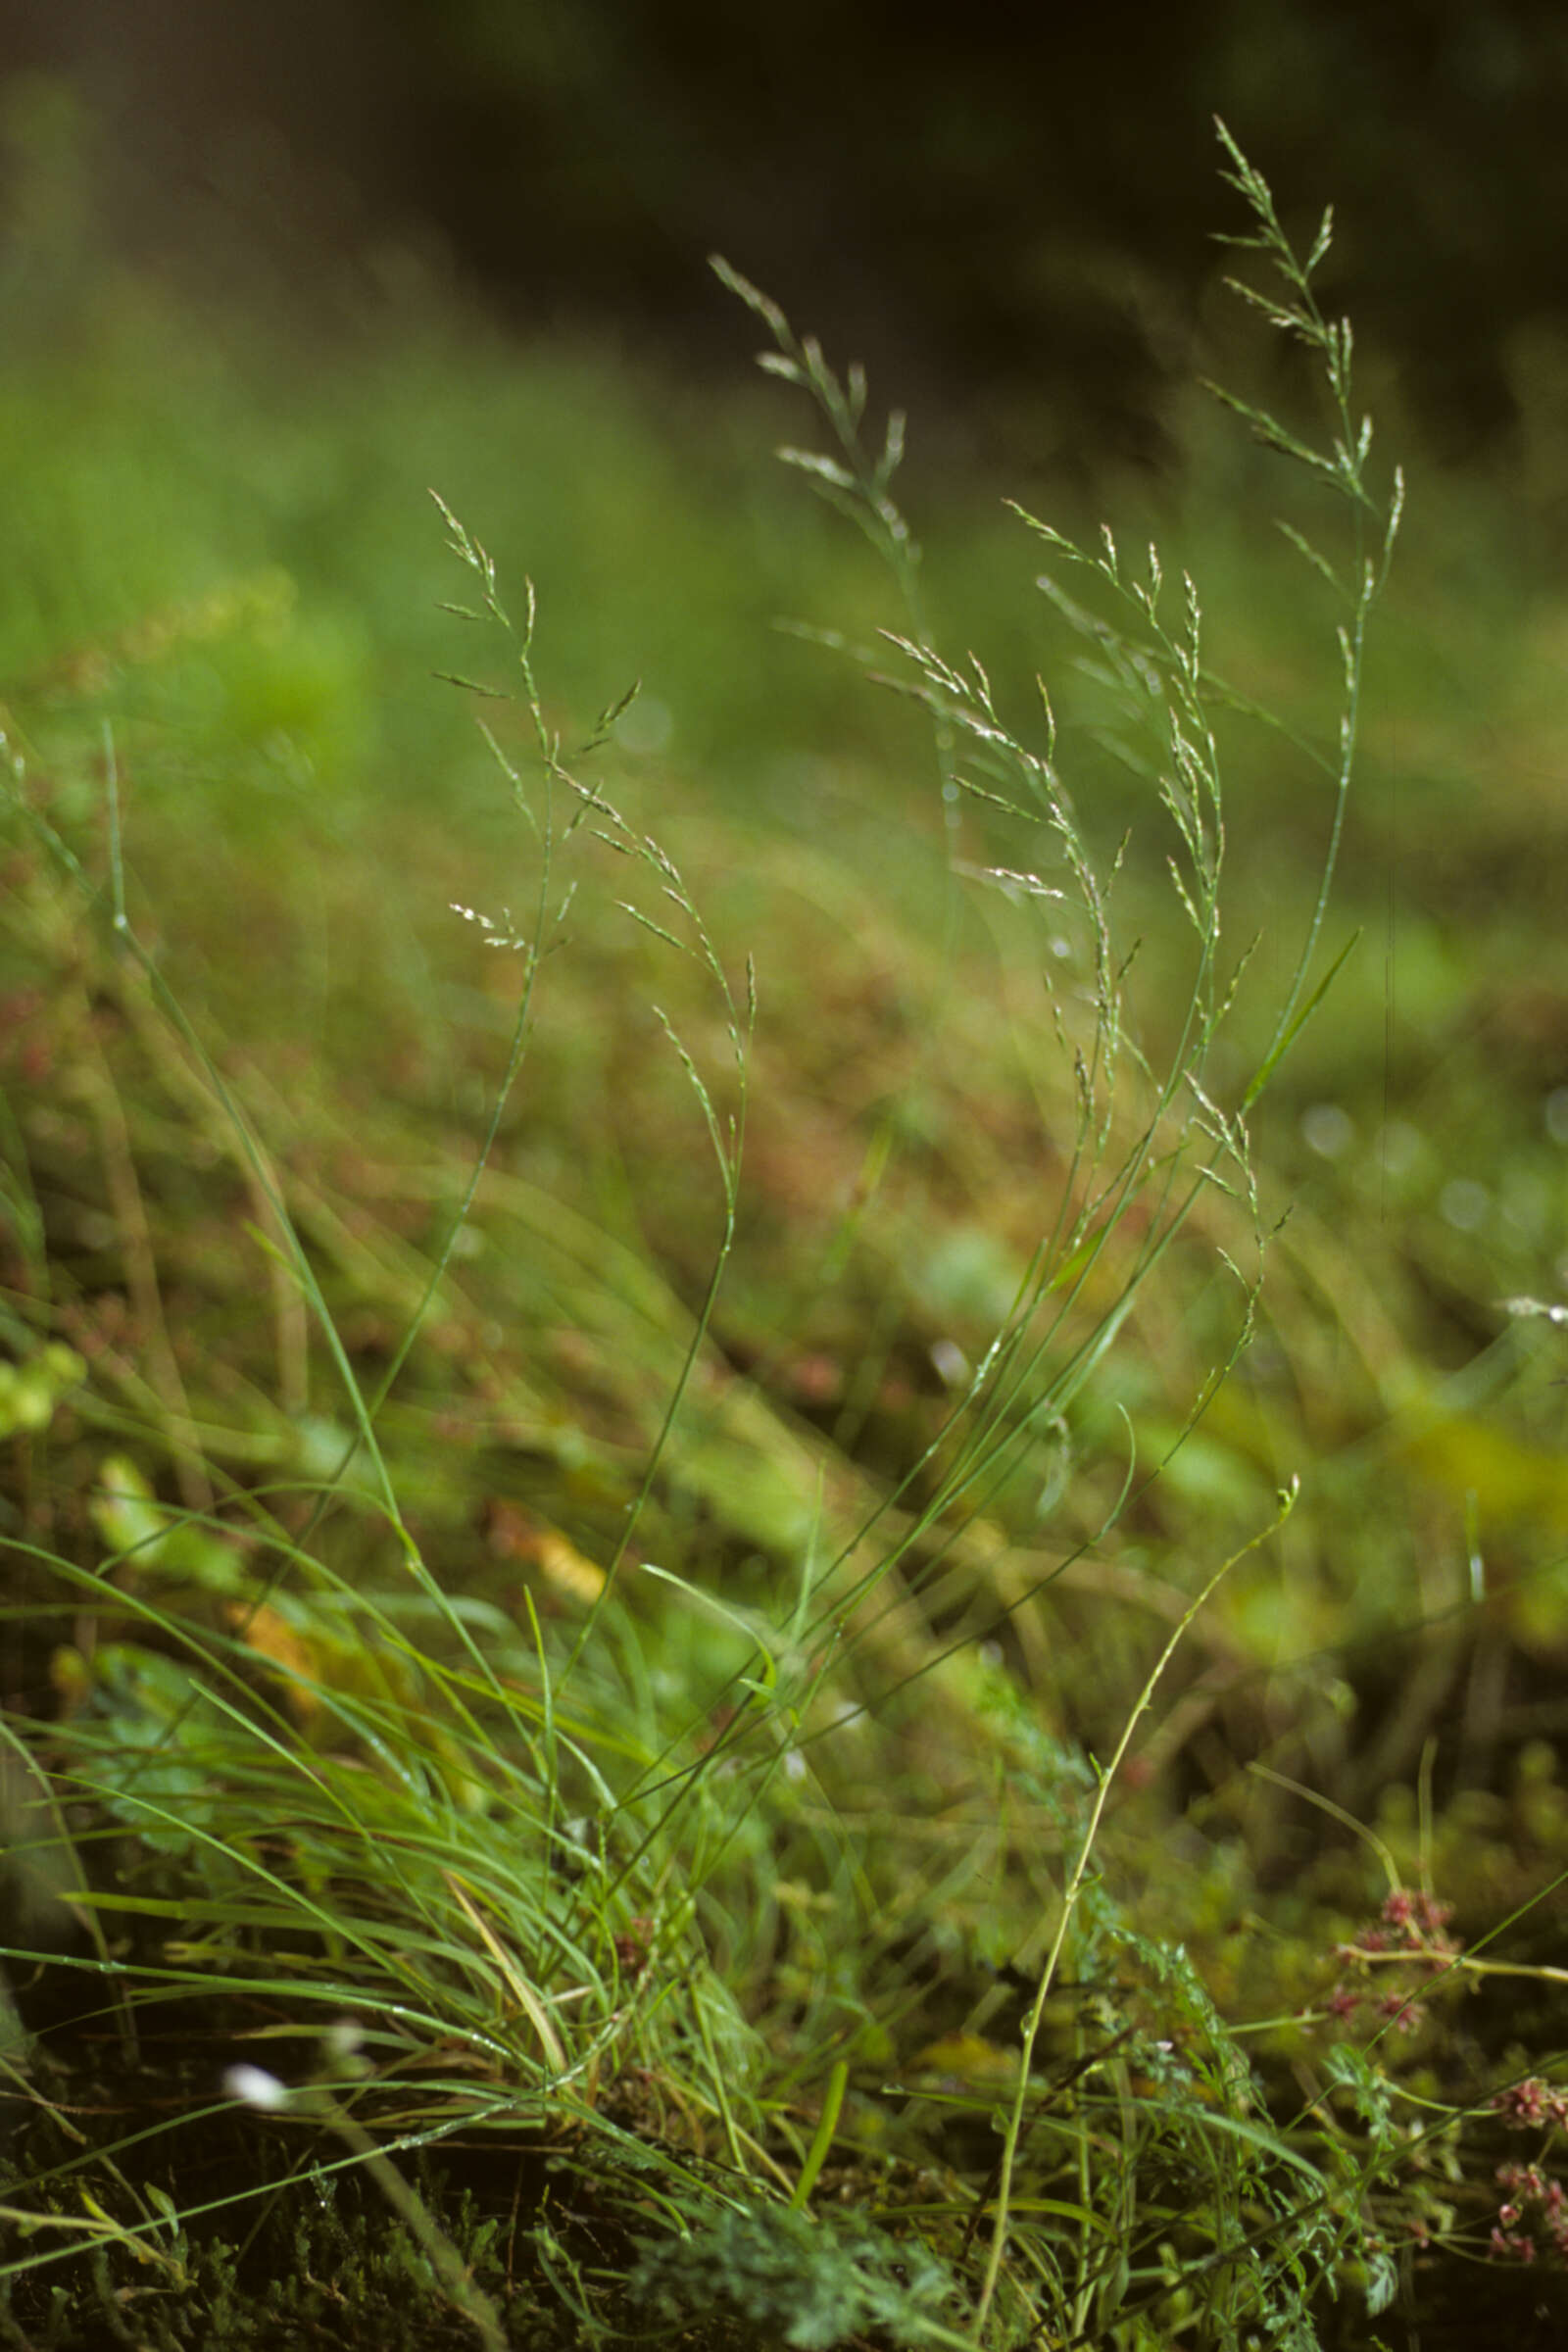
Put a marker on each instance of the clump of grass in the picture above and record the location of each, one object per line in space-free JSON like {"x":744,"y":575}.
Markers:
{"x":577,"y":1887}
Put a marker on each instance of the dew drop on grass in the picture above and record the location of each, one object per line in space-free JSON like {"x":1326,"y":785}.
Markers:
{"x":1465,"y":1204}
{"x":1400,"y":1147}
{"x":1327,"y":1130}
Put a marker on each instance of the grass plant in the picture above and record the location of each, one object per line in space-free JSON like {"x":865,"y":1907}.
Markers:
{"x":563,"y":1788}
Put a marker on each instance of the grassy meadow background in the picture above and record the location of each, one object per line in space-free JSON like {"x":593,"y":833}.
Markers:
{"x":228,"y":664}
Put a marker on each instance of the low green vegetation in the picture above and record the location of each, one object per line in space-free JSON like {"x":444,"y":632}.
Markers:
{"x":783,"y":1480}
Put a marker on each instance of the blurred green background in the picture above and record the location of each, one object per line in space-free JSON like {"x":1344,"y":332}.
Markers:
{"x":1007,"y":214}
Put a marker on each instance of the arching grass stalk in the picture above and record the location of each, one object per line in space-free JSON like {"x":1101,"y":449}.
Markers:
{"x":857,"y":484}
{"x":1106,"y":1775}
{"x":605,"y":821}
{"x":546,"y":921}
{"x":726,"y":1136}
{"x":1344,"y":470}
